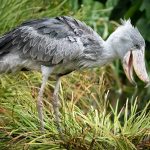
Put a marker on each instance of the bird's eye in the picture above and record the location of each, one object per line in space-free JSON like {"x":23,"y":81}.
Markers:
{"x":85,"y":44}
{"x":137,"y":46}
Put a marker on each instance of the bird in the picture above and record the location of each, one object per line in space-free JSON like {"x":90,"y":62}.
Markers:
{"x":60,"y":45}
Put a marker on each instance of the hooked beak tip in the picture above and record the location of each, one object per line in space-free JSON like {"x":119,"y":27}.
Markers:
{"x":134,"y":84}
{"x":140,"y":67}
{"x":147,"y":85}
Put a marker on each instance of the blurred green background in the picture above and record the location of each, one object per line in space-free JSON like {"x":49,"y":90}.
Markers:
{"x":94,"y":87}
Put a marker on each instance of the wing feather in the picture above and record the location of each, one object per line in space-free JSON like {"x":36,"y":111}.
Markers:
{"x":54,"y":41}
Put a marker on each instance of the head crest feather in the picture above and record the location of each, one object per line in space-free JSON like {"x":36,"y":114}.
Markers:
{"x":125,"y":22}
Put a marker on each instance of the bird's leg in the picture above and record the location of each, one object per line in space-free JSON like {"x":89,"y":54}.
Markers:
{"x":56,"y":104}
{"x":40,"y":103}
{"x":46,"y":71}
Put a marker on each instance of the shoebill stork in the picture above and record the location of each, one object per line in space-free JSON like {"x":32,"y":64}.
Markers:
{"x":61,"y":45}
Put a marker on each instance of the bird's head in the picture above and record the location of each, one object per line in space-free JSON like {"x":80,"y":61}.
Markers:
{"x":129,"y":45}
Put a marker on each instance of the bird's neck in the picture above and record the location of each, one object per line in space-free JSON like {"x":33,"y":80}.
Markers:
{"x":111,"y":45}
{"x":109,"y":53}
{"x":106,"y":56}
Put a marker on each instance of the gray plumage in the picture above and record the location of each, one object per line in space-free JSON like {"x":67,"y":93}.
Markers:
{"x":51,"y":42}
{"x":61,"y":45}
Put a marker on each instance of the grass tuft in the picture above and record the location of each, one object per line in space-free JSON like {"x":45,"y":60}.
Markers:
{"x":92,"y":118}
{"x":84,"y":126}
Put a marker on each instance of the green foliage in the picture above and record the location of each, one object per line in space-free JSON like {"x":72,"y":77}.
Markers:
{"x":83,"y":128}
{"x":91,"y":119}
{"x":144,"y":22}
{"x":138,"y":11}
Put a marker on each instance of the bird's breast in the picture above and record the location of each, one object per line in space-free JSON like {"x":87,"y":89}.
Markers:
{"x":64,"y":69}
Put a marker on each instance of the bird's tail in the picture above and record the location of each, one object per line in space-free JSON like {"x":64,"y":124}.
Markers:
{"x":4,"y":43}
{"x":1,"y":39}
{"x":4,"y":40}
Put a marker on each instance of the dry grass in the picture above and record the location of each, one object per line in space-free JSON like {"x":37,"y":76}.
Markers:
{"x":92,"y":117}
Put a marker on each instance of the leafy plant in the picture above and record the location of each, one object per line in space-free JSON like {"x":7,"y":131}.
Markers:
{"x":91,"y":118}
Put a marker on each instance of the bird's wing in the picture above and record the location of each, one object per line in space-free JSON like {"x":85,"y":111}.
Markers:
{"x":53,"y":40}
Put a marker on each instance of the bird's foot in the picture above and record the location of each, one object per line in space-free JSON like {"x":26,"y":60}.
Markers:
{"x":40,"y":113}
{"x":56,"y":106}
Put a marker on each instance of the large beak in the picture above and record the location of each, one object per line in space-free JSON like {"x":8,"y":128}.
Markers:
{"x":135,"y":59}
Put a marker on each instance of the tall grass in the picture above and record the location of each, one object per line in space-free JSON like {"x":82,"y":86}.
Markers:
{"x":92,"y":117}
{"x":84,"y":127}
